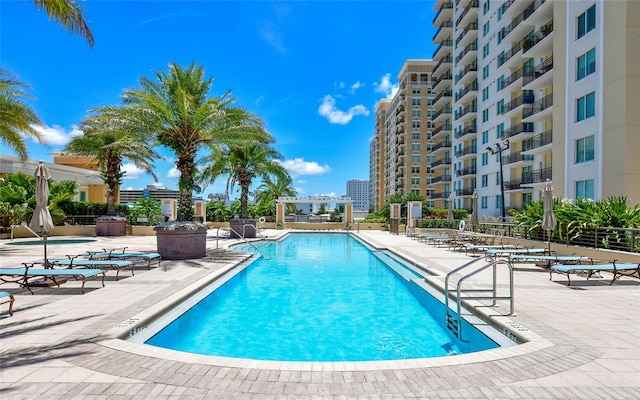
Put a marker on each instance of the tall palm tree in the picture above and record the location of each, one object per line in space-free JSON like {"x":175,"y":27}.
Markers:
{"x":177,"y":109}
{"x":16,"y":117}
{"x":242,"y":164}
{"x":109,"y":144}
{"x":272,"y":189}
{"x":68,"y":14}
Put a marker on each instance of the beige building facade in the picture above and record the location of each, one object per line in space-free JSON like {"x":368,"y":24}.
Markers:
{"x":527,"y":91}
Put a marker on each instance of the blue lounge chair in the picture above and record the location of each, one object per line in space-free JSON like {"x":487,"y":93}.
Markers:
{"x":22,"y":276}
{"x":146,"y":258}
{"x":73,"y":262}
{"x":549,"y":260}
{"x":617,"y":269}
{"x":6,"y":297}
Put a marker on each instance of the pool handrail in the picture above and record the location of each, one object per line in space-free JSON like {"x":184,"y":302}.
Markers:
{"x":23,"y":224}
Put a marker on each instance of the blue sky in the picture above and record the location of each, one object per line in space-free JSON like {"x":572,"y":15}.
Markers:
{"x":313,"y":70}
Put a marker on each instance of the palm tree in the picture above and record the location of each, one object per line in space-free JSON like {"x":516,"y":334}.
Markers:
{"x":16,"y":117}
{"x":109,"y":144}
{"x":175,"y":107}
{"x":68,"y":14}
{"x":242,"y":164}
{"x":271,"y":190}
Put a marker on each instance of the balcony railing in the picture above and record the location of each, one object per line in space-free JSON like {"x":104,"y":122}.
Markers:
{"x":470,"y":128}
{"x":517,"y":129}
{"x":467,"y":191}
{"x":537,"y":36}
{"x":446,"y":93}
{"x":469,"y":68}
{"x":442,"y":78}
{"x":473,"y":26}
{"x":445,"y":144}
{"x":517,"y":102}
{"x":466,"y":110}
{"x":443,"y":7}
{"x":441,"y":161}
{"x":536,"y":176}
{"x":448,"y":59}
{"x":440,"y":128}
{"x":444,"y":43}
{"x":473,"y":46}
{"x":445,"y":24}
{"x":515,"y":76}
{"x":503,"y":58}
{"x":505,"y":6}
{"x":538,"y":71}
{"x":533,"y":7}
{"x":473,"y":4}
{"x":466,"y":171}
{"x":441,"y":178}
{"x":466,"y":150}
{"x":516,"y":157}
{"x":538,"y":105}
{"x":473,"y":86}
{"x":540,"y":140}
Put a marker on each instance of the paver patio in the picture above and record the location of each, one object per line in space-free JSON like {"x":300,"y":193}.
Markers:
{"x":59,"y":344}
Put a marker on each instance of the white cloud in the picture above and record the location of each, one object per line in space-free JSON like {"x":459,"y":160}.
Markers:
{"x":131,"y":171}
{"x":385,"y":86}
{"x":158,"y":185}
{"x":301,"y":181}
{"x":300,"y":191}
{"x":355,"y":87}
{"x":57,"y":135}
{"x":328,"y":110}
{"x":173,"y":173}
{"x":298,"y":166}
{"x":274,"y":38}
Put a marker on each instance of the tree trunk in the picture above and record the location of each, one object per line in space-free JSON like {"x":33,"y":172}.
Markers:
{"x":186,"y":166}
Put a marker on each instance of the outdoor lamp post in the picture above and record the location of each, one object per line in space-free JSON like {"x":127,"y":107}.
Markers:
{"x":498,"y":148}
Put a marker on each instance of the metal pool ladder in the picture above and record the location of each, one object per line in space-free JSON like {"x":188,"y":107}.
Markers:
{"x":452,"y":317}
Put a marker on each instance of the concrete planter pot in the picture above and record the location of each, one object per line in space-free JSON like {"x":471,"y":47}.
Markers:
{"x":181,"y":240}
{"x":111,"y":226}
{"x":243,"y":226}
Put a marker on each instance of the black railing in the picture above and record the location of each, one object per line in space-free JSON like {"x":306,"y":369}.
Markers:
{"x":538,"y":105}
{"x":469,"y":68}
{"x":443,"y":7}
{"x":537,"y":36}
{"x":516,"y":157}
{"x":441,"y":161}
{"x":512,"y":52}
{"x":473,"y":26}
{"x":517,"y":102}
{"x":473,"y":86}
{"x":540,"y":140}
{"x":516,"y":129}
{"x":537,"y":176}
{"x":538,"y":71}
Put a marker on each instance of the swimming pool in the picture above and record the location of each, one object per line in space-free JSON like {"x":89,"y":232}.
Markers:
{"x":318,"y":297}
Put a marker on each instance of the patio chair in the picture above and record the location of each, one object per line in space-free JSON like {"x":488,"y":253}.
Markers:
{"x":74,"y":261}
{"x":23,"y":275}
{"x":6,"y":297}
{"x":113,"y":254}
{"x":617,"y":269}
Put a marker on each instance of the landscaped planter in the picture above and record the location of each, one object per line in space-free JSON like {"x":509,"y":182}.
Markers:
{"x":181,"y":240}
{"x":111,"y":226}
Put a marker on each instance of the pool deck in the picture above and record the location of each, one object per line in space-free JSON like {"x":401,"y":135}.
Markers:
{"x":584,"y":340}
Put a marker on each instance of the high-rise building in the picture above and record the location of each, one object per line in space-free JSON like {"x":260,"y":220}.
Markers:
{"x":358,"y":190}
{"x":400,"y":151}
{"x":533,"y":90}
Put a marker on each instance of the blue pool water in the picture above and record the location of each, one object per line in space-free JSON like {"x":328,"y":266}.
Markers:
{"x":317,"y":297}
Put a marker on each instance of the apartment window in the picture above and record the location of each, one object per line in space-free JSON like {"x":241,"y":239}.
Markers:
{"x":83,"y":196}
{"x":415,"y":170}
{"x":500,"y":83}
{"x":430,"y":146}
{"x":485,"y":50}
{"x":484,"y":201}
{"x":586,"y":64}
{"x":429,"y":171}
{"x":498,"y":201}
{"x":415,"y":159}
{"x":485,"y":7}
{"x":415,"y":147}
{"x":485,"y":158}
{"x":586,"y":106}
{"x":526,"y":198}
{"x":500,"y":131}
{"x":485,"y":29}
{"x":498,"y":178}
{"x":415,"y":191}
{"x":430,"y":113}
{"x":485,"y":115}
{"x":415,"y":135}
{"x":485,"y":180}
{"x":586,"y":21}
{"x":431,"y":159}
{"x":416,"y":90}
{"x":585,"y":149}
{"x":415,"y":124}
{"x":499,"y":13}
{"x":415,"y":102}
{"x":485,"y":72}
{"x":415,"y":181}
{"x":585,"y":189}
{"x":485,"y":93}
{"x":415,"y":113}
{"x":499,"y":107}
{"x":485,"y":137}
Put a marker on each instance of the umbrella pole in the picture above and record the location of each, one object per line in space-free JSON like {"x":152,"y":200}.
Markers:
{"x":46,"y":260}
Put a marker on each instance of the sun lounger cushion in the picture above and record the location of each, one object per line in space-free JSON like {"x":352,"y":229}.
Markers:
{"x":102,"y":264}
{"x":618,"y":270}
{"x":24,"y":274}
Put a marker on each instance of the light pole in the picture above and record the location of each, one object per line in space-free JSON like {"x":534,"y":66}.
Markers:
{"x":498,"y":148}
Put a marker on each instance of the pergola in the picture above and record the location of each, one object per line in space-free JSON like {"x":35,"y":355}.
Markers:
{"x":282,"y":201}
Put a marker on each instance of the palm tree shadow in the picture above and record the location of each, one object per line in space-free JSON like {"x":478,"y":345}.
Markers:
{"x":57,"y":351}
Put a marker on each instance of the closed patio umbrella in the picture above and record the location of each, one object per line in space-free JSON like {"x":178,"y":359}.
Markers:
{"x":450,"y":210}
{"x":41,"y":221}
{"x":474,"y":209}
{"x":548,"y":219}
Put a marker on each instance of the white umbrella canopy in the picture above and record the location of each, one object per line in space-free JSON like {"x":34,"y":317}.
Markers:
{"x":548,"y":218}
{"x":450,"y":210}
{"x":41,"y":221}
{"x":474,"y":209}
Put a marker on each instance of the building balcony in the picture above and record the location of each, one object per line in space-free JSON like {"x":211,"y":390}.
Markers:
{"x":466,"y":113}
{"x":509,"y":58}
{"x":468,"y":53}
{"x":444,"y":128}
{"x":515,"y":29}
{"x":468,"y":35}
{"x":439,"y":195}
{"x":466,"y":171}
{"x":539,"y":43}
{"x":538,"y":144}
{"x":441,"y":115}
{"x":441,"y":178}
{"x":465,"y":191}
{"x":469,"y":14}
{"x":468,"y":74}
{"x":442,"y":98}
{"x":539,"y":110}
{"x":442,"y":82}
{"x":537,"y":176}
{"x":540,"y":11}
{"x":517,"y":157}
{"x":538,"y":77}
{"x":442,"y":162}
{"x":465,"y":151}
{"x":515,"y":77}
{"x":465,"y":93}
{"x":466,"y":130}
{"x":443,"y":66}
{"x":442,"y":146}
{"x":445,"y":12}
{"x":443,"y":49}
{"x":514,"y":106}
{"x":517,"y":129}
{"x":444,"y":31}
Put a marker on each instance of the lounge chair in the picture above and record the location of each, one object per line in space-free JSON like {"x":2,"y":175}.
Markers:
{"x":73,"y":262}
{"x":146,"y":258}
{"x":22,"y":276}
{"x":617,"y":269}
{"x":493,"y":253}
{"x":6,"y":297}
{"x":549,"y":260}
